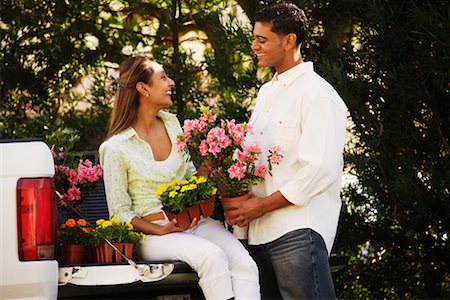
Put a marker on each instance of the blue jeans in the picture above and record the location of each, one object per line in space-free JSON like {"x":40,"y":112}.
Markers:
{"x":294,"y":266}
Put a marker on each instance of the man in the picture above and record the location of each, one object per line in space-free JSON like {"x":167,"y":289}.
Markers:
{"x":293,"y":215}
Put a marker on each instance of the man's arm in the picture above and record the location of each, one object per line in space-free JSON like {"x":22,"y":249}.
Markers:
{"x":242,"y":213}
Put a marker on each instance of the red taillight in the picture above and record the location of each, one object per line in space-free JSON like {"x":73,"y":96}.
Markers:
{"x":36,"y":218}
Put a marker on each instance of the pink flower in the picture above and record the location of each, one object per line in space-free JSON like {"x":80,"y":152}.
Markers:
{"x":216,"y":134}
{"x":261,"y":171}
{"x":180,"y":145}
{"x":237,"y":171}
{"x":253,"y":148}
{"x":53,"y":150}
{"x":276,"y":150}
{"x":203,"y":148}
{"x":275,"y":159}
{"x":73,"y":193}
{"x":73,"y":177}
{"x":214,"y":148}
{"x":225,"y":142}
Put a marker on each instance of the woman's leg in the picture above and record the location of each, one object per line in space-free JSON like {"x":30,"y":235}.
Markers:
{"x":208,"y":260}
{"x":244,"y":272}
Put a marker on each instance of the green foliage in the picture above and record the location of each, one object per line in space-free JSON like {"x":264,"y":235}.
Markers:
{"x":48,"y":47}
{"x":389,"y":61}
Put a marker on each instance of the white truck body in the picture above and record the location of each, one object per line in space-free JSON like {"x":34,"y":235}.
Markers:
{"x":22,"y":279}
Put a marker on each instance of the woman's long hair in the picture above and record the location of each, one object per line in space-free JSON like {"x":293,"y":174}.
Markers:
{"x":126,"y":103}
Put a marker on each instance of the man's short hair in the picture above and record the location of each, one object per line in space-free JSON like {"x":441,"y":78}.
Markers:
{"x":285,"y":18}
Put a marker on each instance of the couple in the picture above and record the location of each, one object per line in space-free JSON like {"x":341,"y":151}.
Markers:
{"x":292,"y":216}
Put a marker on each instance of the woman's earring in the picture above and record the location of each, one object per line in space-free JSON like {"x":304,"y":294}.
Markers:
{"x":146,"y":95}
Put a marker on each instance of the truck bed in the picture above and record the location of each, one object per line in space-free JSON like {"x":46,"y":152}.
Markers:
{"x":183,"y":280}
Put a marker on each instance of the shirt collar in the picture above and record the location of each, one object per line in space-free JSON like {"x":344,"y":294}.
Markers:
{"x":289,"y":76}
{"x":126,"y":134}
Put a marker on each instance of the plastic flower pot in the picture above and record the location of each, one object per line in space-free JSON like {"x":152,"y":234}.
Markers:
{"x":126,"y":249}
{"x":73,"y":254}
{"x":183,"y":219}
{"x":194,"y":212}
{"x":104,"y":253}
{"x":207,"y":207}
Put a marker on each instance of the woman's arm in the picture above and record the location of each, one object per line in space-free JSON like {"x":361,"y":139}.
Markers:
{"x":150,"y":228}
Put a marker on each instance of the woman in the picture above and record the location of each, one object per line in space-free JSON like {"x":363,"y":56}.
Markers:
{"x":140,"y":155}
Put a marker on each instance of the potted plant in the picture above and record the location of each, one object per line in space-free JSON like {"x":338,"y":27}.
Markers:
{"x":74,"y":237}
{"x":220,"y":143}
{"x":185,"y":200}
{"x":74,"y":176}
{"x":121,"y":234}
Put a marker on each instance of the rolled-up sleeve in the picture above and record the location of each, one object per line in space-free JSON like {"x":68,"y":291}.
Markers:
{"x":319,"y":151}
{"x":116,"y":182}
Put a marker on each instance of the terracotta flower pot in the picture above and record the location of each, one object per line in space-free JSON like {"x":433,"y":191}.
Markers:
{"x":207,"y":207}
{"x":242,"y":198}
{"x":183,"y":219}
{"x":73,"y":254}
{"x":194,"y":212}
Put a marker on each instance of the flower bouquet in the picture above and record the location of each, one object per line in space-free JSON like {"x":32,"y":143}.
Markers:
{"x":74,"y":236}
{"x":235,"y":166}
{"x":187,"y":199}
{"x":121,"y":234}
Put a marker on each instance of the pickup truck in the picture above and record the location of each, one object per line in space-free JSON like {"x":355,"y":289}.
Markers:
{"x":28,"y":225}
{"x":29,"y":268}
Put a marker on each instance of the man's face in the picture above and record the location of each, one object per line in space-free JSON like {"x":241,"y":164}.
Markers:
{"x":268,"y":46}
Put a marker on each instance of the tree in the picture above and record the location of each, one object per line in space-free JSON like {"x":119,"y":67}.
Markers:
{"x":389,"y":60}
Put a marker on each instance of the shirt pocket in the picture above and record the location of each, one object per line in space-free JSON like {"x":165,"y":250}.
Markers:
{"x":285,"y":130}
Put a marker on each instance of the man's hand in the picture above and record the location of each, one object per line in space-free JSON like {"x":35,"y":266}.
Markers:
{"x":242,"y":213}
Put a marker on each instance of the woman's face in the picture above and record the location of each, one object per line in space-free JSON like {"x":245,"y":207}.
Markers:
{"x":160,"y":90}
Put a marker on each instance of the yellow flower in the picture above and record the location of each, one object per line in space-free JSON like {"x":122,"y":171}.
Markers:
{"x":201,"y":179}
{"x":161,"y":189}
{"x":129,"y":226}
{"x":192,"y":186}
{"x":184,"y":188}
{"x":107,"y":223}
{"x":172,"y":194}
{"x":173,"y":182}
{"x":194,"y":178}
{"x":99,"y":221}
{"x":213,"y":190}
{"x":184,"y":182}
{"x":114,"y":220}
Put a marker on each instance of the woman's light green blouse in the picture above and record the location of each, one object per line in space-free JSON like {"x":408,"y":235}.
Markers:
{"x":131,"y":175}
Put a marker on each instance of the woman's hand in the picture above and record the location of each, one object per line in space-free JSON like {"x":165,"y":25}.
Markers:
{"x":172,"y":227}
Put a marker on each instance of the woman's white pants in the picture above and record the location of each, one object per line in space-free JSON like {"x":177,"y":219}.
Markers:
{"x":223,"y":265}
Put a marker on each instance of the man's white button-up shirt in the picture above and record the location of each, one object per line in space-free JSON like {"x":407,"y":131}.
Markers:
{"x":303,"y":114}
